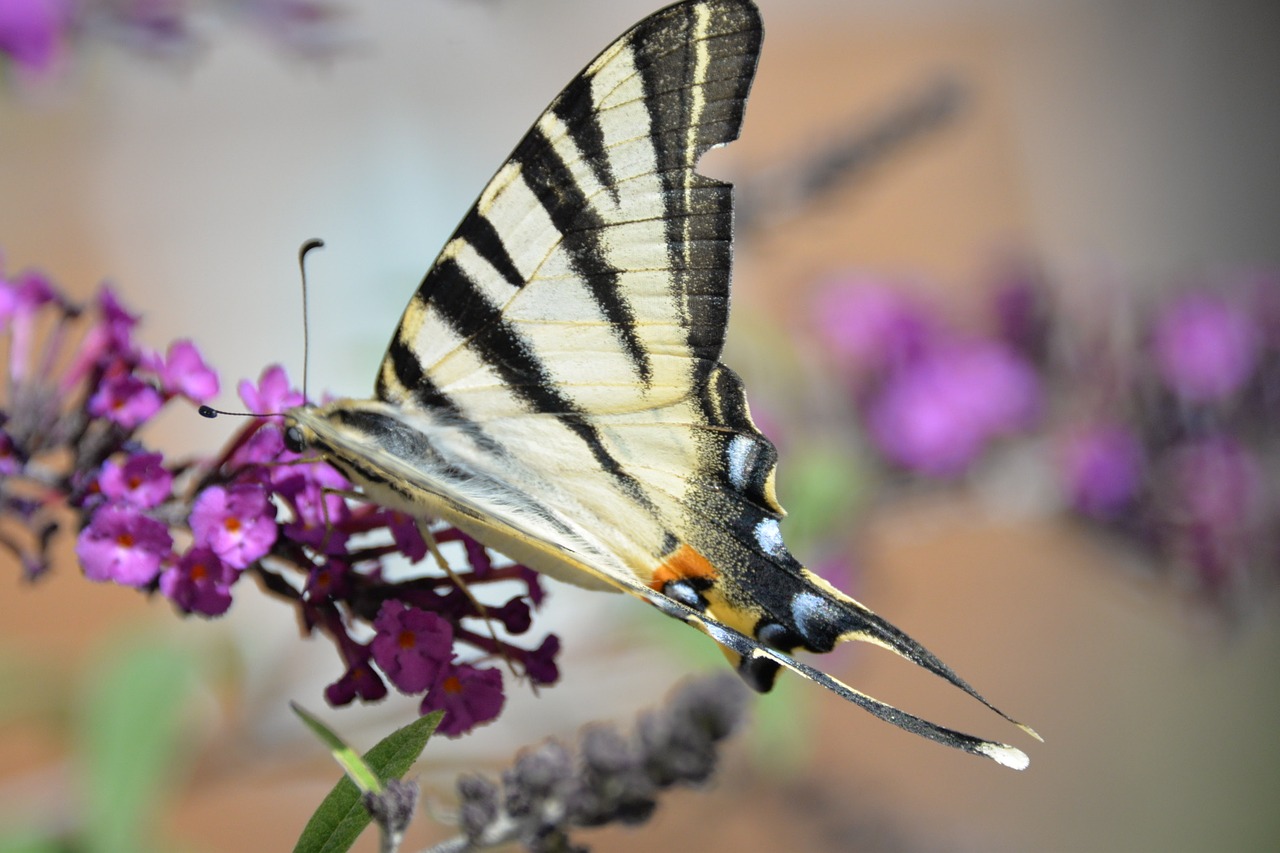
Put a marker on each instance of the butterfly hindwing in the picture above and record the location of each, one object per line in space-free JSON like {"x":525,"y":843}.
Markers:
{"x":554,"y":386}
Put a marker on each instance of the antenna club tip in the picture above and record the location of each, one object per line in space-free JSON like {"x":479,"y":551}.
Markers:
{"x":207,"y":412}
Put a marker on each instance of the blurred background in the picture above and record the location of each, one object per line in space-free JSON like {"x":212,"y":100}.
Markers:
{"x":1077,"y":201}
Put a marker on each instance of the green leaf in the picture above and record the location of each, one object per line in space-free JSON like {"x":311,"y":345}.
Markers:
{"x":350,"y":761}
{"x":129,"y":729}
{"x":341,"y":816}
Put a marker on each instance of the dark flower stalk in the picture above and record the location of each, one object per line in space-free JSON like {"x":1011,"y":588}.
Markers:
{"x":80,"y":389}
{"x":547,"y":794}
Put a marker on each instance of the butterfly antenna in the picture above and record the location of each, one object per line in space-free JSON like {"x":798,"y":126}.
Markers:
{"x":306,"y":332}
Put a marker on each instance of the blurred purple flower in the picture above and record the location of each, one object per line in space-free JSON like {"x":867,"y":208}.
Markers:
{"x":32,"y":31}
{"x":183,"y":371}
{"x":10,"y":464}
{"x":1101,"y":467}
{"x":1205,"y":347}
{"x":936,"y":415}
{"x":237,"y":523}
{"x":122,"y":545}
{"x":1022,"y":311}
{"x":126,"y":400}
{"x":468,"y":695}
{"x":272,"y":395}
{"x":872,"y":325}
{"x":108,"y":341}
{"x":330,"y":580}
{"x":199,"y":583}
{"x":142,"y":480}
{"x":1214,"y":494}
{"x":20,"y":301}
{"x":412,"y":645}
{"x":406,"y":535}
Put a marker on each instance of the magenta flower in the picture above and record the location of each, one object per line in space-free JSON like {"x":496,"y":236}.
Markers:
{"x":183,"y":371}
{"x":540,"y":663}
{"x":319,"y":514}
{"x":122,"y":545}
{"x":332,"y":579}
{"x":78,"y":388}
{"x":1101,"y":468}
{"x":412,"y":646}
{"x":142,"y":480}
{"x":126,"y":400}
{"x":32,"y":31}
{"x":1206,"y":348}
{"x":936,"y":416}
{"x":266,"y":445}
{"x":406,"y":535}
{"x":237,"y":523}
{"x":272,"y":394}
{"x":20,"y":303}
{"x":199,"y":583}
{"x":468,"y":695}
{"x":360,"y":680}
{"x":109,"y":340}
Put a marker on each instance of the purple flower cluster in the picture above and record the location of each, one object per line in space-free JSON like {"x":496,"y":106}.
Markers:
{"x":931,"y":399}
{"x":1174,"y":450}
{"x":36,"y":35}
{"x":1165,"y":443}
{"x":80,"y":390}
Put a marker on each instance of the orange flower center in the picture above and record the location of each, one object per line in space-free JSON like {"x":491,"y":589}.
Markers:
{"x":232,"y":524}
{"x":407,"y":639}
{"x":125,"y":540}
{"x":452,"y":684}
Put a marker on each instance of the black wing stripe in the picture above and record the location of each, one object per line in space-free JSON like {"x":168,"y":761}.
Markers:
{"x":474,"y":319}
{"x":575,"y":107}
{"x":583,"y":232}
{"x":480,"y":234}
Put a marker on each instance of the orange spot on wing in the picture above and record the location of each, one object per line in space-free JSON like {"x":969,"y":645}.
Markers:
{"x":684,"y":562}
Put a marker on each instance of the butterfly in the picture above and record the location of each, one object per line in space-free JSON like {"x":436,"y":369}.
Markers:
{"x":554,"y":388}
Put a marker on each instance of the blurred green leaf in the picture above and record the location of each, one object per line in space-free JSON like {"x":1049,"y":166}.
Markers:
{"x":341,"y":816}
{"x":821,"y":488}
{"x":29,"y":841}
{"x":128,"y":727}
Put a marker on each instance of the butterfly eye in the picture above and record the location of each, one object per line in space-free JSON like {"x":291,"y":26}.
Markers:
{"x":294,"y":439}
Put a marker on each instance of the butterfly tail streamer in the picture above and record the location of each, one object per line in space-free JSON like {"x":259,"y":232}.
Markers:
{"x":752,"y":650}
{"x":863,"y":625}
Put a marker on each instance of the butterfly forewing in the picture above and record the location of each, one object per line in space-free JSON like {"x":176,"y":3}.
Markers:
{"x":593,"y":273}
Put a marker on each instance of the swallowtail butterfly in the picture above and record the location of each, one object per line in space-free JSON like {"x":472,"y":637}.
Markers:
{"x":554,"y":387}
